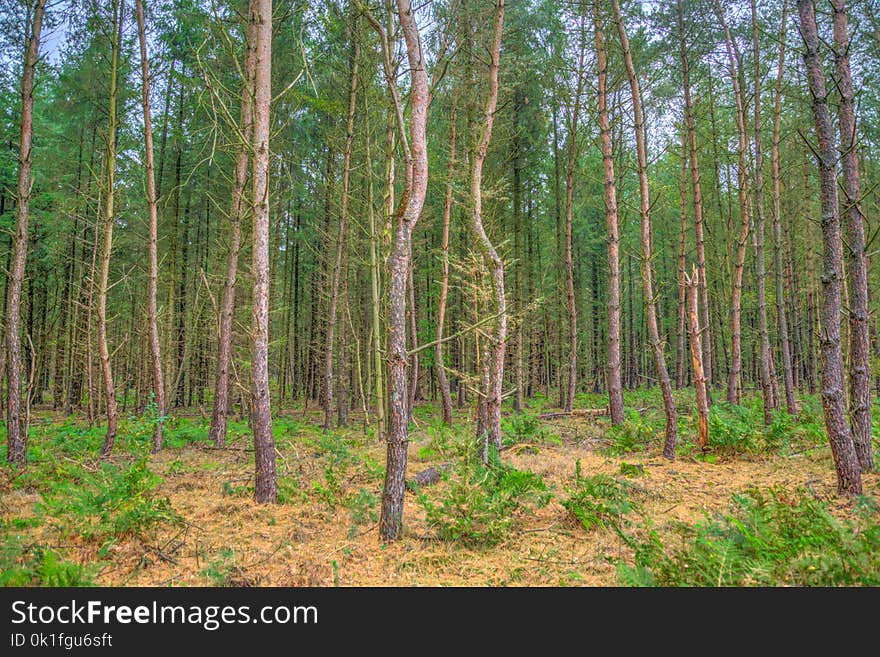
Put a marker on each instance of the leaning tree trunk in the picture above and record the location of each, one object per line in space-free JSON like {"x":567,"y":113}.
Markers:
{"x":264,"y":444}
{"x":766,"y":374}
{"x":109,"y":218}
{"x":340,"y":237}
{"x":569,"y":198}
{"x":615,"y":386}
{"x":152,"y":310}
{"x":407,"y":215}
{"x":734,"y":389}
{"x":217,"y":432}
{"x":645,"y":211}
{"x":16,"y":426}
{"x":494,"y":363}
{"x":849,"y":476}
{"x":781,"y":313}
{"x":859,"y":338}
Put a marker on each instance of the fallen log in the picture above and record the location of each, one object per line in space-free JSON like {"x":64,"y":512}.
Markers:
{"x":577,"y":412}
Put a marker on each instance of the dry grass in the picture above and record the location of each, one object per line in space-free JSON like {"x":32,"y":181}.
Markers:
{"x":227,"y":539}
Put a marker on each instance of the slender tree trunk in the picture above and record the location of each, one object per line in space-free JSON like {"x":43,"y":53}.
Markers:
{"x":682,"y":288}
{"x":766,"y":374}
{"x":860,"y":344}
{"x":375,"y":296}
{"x":849,"y":476}
{"x":264,"y":444}
{"x":220,"y":412}
{"x":152,"y":310}
{"x":693,"y":290}
{"x":109,"y":219}
{"x":574,"y":117}
{"x":615,"y":387}
{"x":734,"y":380}
{"x":340,"y":235}
{"x":647,"y":239}
{"x":16,"y":425}
{"x":414,"y":339}
{"x":785,"y":343}
{"x":445,"y":395}
{"x":407,"y":215}
{"x":494,"y":364}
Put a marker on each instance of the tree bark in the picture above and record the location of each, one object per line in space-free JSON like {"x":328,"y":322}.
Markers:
{"x":849,"y":476}
{"x":781,"y":313}
{"x":682,"y":288}
{"x":16,"y":426}
{"x":109,"y":219}
{"x":693,"y":290}
{"x":705,"y":332}
{"x":647,"y":256}
{"x":574,"y":118}
{"x":407,"y":215}
{"x":445,"y":396}
{"x":612,"y":220}
{"x":494,"y":363}
{"x":264,"y":444}
{"x":220,"y":411}
{"x":340,"y":236}
{"x":152,"y":285}
{"x":734,"y":390}
{"x":766,"y":374}
{"x":857,"y":263}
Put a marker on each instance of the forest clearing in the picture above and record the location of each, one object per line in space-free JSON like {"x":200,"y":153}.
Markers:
{"x":469,"y":292}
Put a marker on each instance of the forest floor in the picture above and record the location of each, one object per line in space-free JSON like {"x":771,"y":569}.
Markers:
{"x":185,"y":517}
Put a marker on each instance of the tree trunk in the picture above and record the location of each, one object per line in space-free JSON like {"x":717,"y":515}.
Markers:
{"x":859,"y":338}
{"x":264,"y":444}
{"x":781,"y":316}
{"x":494,"y":363}
{"x":734,"y":388}
{"x":445,"y":395}
{"x":574,"y":117}
{"x":849,"y":476}
{"x":109,"y":219}
{"x":407,"y":215}
{"x":340,"y":236}
{"x":16,"y":426}
{"x":645,"y":211}
{"x":152,"y":310}
{"x":682,"y":288}
{"x":220,"y":412}
{"x":615,"y":387}
{"x":766,"y":374}
{"x":693,"y":290}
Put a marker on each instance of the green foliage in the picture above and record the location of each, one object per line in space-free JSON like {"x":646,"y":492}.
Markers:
{"x":221,"y":569}
{"x":631,"y":469}
{"x":114,"y":501}
{"x":526,"y":429}
{"x":599,"y":500}
{"x":766,"y":539}
{"x":363,"y":507}
{"x":634,"y":434}
{"x":734,"y":428}
{"x":22,"y":565}
{"x":479,"y":503}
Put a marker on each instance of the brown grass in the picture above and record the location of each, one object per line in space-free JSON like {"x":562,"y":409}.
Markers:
{"x":305,"y":542}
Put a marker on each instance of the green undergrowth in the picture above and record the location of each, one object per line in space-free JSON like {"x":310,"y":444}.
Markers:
{"x":478,"y":505}
{"x":766,"y":538}
{"x":601,"y":500}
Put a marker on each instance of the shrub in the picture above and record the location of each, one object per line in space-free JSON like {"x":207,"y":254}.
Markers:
{"x":599,"y":501}
{"x":634,"y":434}
{"x":114,"y":501}
{"x":766,"y":539}
{"x":524,"y":428}
{"x":479,"y":505}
